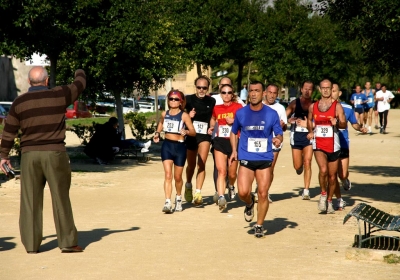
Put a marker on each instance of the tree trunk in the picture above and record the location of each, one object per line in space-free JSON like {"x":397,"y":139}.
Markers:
{"x":198,"y":68}
{"x":120,"y":115}
{"x":239,"y":77}
{"x":53,"y":67}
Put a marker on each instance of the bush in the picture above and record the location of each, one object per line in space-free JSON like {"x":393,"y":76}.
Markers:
{"x":84,"y":132}
{"x":139,"y":127}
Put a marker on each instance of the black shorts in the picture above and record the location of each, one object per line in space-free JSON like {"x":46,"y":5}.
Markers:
{"x":344,"y":153}
{"x":366,"y":109}
{"x":222,"y":145}
{"x":175,"y":151}
{"x":331,"y":156}
{"x":359,"y":110}
{"x":376,"y":106}
{"x":255,"y":164}
{"x":192,"y":143}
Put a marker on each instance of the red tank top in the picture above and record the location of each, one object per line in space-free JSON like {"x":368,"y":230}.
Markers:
{"x":326,"y":137}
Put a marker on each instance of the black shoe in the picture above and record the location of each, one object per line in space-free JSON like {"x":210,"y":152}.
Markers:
{"x":381,"y":130}
{"x":249,"y":211}
{"x":300,"y":170}
{"x":73,"y":249}
{"x":258,"y":231}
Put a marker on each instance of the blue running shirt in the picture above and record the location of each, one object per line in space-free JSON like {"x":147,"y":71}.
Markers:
{"x":256,"y":129}
{"x":344,"y":133}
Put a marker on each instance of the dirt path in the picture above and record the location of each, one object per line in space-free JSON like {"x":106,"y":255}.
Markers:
{"x":117,"y":211}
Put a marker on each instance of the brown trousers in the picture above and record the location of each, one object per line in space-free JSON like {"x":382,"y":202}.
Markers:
{"x":37,"y":168}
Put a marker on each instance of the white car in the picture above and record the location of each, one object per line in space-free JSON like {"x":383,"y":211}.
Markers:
{"x":145,"y":107}
{"x":6,"y":105}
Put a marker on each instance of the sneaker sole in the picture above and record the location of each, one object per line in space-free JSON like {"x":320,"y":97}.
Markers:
{"x":167,"y":211}
{"x":306,"y":197}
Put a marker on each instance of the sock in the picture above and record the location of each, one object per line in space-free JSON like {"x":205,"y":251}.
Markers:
{"x":323,"y":193}
{"x":198,"y":191}
{"x":178,"y":197}
{"x":221,"y":196}
{"x":168,"y":200}
{"x":231,"y":187}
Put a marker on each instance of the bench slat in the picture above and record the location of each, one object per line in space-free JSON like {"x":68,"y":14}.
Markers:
{"x":395,"y":224}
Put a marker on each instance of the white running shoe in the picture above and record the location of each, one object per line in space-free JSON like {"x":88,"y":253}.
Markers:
{"x":215,"y":198}
{"x":144,"y":150}
{"x":330,"y":209}
{"x":341,"y":204}
{"x":322,"y":203}
{"x":147,"y":144}
{"x":269,"y":198}
{"x":178,"y":205}
{"x":167,"y":208}
{"x":306,"y":194}
{"x":221,"y":203}
{"x":231,"y":192}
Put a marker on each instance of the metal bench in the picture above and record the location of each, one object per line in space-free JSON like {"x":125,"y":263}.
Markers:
{"x":135,"y":152}
{"x":374,"y":220}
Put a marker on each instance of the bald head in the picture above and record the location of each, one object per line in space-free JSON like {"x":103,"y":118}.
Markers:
{"x":38,"y":76}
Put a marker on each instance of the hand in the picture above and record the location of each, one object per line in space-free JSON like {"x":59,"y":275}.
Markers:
{"x":233,"y":157}
{"x":310,"y":136}
{"x":292,"y":120}
{"x":210,"y":130}
{"x":276,"y":142}
{"x":334,"y":121}
{"x":192,"y":113}
{"x":302,"y":123}
{"x":183,"y":132}
{"x":156,"y":138}
{"x":5,"y":161}
{"x":229,"y":120}
{"x":363,"y":130}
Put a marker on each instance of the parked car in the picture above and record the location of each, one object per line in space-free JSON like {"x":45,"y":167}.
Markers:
{"x":145,"y":107}
{"x":6,"y":105}
{"x":77,"y":110}
{"x":3,"y":115}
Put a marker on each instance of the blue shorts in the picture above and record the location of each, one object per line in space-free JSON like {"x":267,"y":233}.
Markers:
{"x":174,"y":150}
{"x":359,"y":110}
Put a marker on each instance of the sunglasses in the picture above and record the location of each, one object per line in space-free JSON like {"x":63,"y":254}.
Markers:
{"x":203,"y":88}
{"x":174,"y":99}
{"x":226,"y":92}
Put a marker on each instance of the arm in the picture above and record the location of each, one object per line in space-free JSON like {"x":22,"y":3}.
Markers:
{"x":289,"y":111}
{"x":156,"y":137}
{"x":341,"y":117}
{"x":234,"y":140}
{"x":212,"y":125}
{"x":310,"y":134}
{"x":77,"y":87}
{"x":189,"y":125}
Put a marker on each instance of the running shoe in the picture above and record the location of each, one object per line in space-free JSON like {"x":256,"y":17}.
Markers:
{"x":322,"y":203}
{"x":258,"y":231}
{"x":269,"y":198}
{"x":300,"y":170}
{"x":346,"y":184}
{"x":249,"y":211}
{"x":178,"y":205}
{"x":144,"y":150}
{"x":198,"y":199}
{"x":188,"y":192}
{"x":330,"y":208}
{"x":167,"y":208}
{"x":221,"y":203}
{"x":341,"y":204}
{"x":231,"y":192}
{"x":255,"y":195}
{"x":306,"y":194}
{"x":376,"y":126}
{"x":215,"y":198}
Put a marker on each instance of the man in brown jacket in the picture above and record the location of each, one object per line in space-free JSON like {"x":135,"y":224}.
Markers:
{"x":40,"y":115}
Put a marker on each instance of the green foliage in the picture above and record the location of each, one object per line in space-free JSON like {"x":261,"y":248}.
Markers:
{"x":83,"y":131}
{"x":376,"y":27}
{"x":139,"y":127}
{"x":391,"y":258}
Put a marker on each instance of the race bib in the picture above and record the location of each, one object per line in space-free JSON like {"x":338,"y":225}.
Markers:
{"x":370,"y":100}
{"x":300,"y":129}
{"x":200,"y":127}
{"x":357,"y":101}
{"x":171,"y":126}
{"x":257,"y":145}
{"x":324,"y":131}
{"x":224,"y":130}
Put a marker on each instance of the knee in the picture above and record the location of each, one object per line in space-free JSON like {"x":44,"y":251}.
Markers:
{"x":178,"y":179}
{"x":222,"y":172}
{"x":168,"y":176}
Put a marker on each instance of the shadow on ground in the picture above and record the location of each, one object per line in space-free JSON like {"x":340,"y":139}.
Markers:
{"x":387,"y":171}
{"x":85,"y":238}
{"x":6,"y":245}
